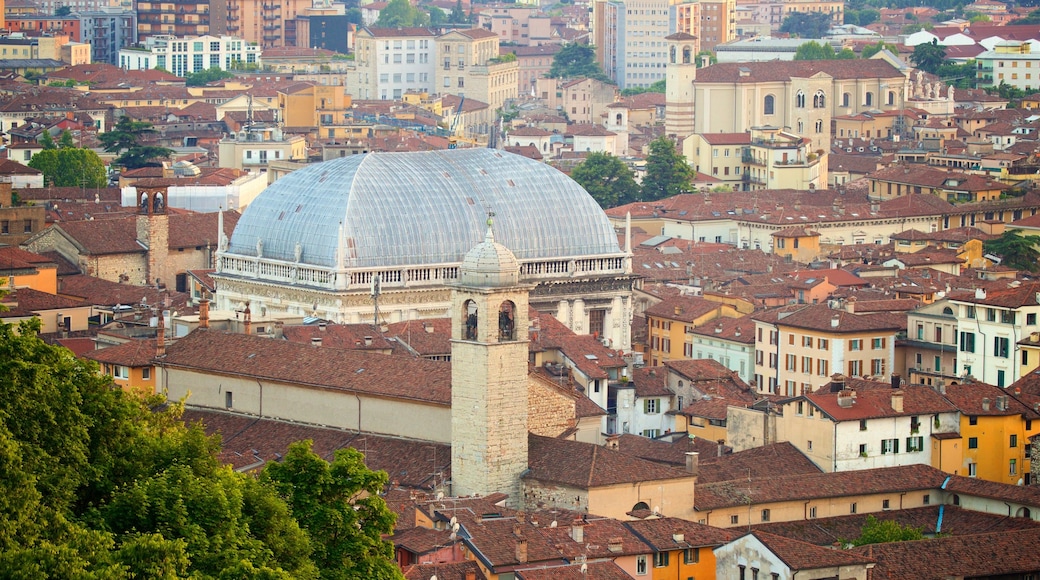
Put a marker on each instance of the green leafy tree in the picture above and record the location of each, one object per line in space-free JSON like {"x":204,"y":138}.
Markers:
{"x":437,"y":16}
{"x":125,"y":139}
{"x":458,"y":15}
{"x":806,"y":24}
{"x":658,"y":87}
{"x":204,"y":77}
{"x":845,"y":54}
{"x":47,"y":140}
{"x":62,"y":11}
{"x":401,"y":13}
{"x":712,"y":59}
{"x":340,"y":504}
{"x":70,"y":167}
{"x":1015,"y":249}
{"x":875,"y":531}
{"x":872,"y":49}
{"x":577,"y":60}
{"x":667,"y":172}
{"x":66,"y":142}
{"x":1006,"y":91}
{"x":354,"y":16}
{"x":929,"y":56}
{"x":1032,"y":18}
{"x":814,"y":51}
{"x":607,"y":179}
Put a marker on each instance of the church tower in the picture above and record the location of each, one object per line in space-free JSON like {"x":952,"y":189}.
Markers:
{"x":489,"y":355}
{"x":681,"y":71}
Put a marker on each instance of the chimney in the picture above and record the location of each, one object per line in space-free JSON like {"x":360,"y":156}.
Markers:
{"x":521,"y":550}
{"x":428,"y":327}
{"x":980,"y":293}
{"x":721,"y":443}
{"x":897,"y":401}
{"x":985,"y":404}
{"x":835,"y":321}
{"x":248,"y":316}
{"x":837,"y":383}
{"x":613,"y":441}
{"x":896,"y":381}
{"x":846,"y":398}
{"x":678,"y":536}
{"x":471,"y":575}
{"x":315,"y":341}
{"x":615,"y":544}
{"x":322,"y":326}
{"x":160,"y":336}
{"x":678,"y":310}
{"x":204,"y":314}
{"x":692,"y":462}
{"x":578,"y":530}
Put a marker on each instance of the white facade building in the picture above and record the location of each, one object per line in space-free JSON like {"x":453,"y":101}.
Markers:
{"x":989,"y":326}
{"x":394,"y":61}
{"x":185,"y":55}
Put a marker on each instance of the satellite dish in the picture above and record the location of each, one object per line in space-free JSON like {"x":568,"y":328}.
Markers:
{"x":454,"y":528}
{"x":553,"y":524}
{"x":454,"y":521}
{"x":657,"y":509}
{"x":440,"y":495}
{"x":584,"y":568}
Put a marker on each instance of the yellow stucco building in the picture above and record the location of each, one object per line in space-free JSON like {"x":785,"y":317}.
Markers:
{"x":670,"y":320}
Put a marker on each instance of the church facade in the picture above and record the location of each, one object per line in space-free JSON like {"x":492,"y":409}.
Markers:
{"x":380,"y":237}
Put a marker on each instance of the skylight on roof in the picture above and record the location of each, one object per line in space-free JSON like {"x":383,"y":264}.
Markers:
{"x":591,"y":357}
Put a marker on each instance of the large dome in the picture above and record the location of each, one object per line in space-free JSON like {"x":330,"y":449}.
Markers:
{"x":428,"y":207}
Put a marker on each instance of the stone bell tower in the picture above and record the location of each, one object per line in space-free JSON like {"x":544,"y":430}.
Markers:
{"x":153,"y":232}
{"x":680,"y":72}
{"x":489,"y":354}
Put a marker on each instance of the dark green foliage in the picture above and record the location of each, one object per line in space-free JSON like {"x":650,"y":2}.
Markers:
{"x":577,"y":60}
{"x":458,"y":16}
{"x":401,"y":13}
{"x":70,"y":167}
{"x":47,"y":140}
{"x":658,"y":87}
{"x":807,"y":24}
{"x":667,"y":172}
{"x":62,"y":11}
{"x":204,"y":77}
{"x":712,"y":59}
{"x":65,"y":142}
{"x":876,"y":531}
{"x":125,"y":138}
{"x":1016,"y":249}
{"x":607,"y":179}
{"x":872,"y":49}
{"x":1032,"y":18}
{"x":929,"y":56}
{"x":815,"y":51}
{"x":99,"y":484}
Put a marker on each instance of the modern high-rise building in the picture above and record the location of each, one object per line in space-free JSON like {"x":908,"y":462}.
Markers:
{"x":183,"y":56}
{"x":630,"y":34}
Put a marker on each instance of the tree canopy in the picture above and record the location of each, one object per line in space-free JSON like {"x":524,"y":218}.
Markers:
{"x":667,"y":172}
{"x":1015,"y":249}
{"x":607,"y":179}
{"x":401,"y":13}
{"x":929,"y":56}
{"x":125,"y":139}
{"x":577,"y":60}
{"x":872,"y":49}
{"x":875,"y":531}
{"x":807,"y":24}
{"x":816,"y":51}
{"x":68,"y":166}
{"x":204,"y":77}
{"x":99,"y":484}
{"x":1032,"y":18}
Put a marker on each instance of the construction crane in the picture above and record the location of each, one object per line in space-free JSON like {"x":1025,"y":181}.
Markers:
{"x":453,"y":139}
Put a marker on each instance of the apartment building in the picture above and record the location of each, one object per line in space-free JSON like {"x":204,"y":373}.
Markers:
{"x":930,"y":347}
{"x":990,"y":325}
{"x":394,"y":61}
{"x":672,"y":321}
{"x":186,"y":55}
{"x":1010,"y":62}
{"x":629,"y":36}
{"x":798,"y":348}
{"x":469,"y":64}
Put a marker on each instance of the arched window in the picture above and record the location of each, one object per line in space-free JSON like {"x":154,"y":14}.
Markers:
{"x":671,"y":54}
{"x":1023,"y":512}
{"x":948,"y":311}
{"x":956,"y":499}
{"x":769,"y":105}
{"x":800,"y":127}
{"x":687,"y":55}
{"x":819,"y":125}
{"x":819,"y":100}
{"x":869,"y":99}
{"x":891,"y":97}
{"x":799,"y":100}
{"x":144,"y":201}
{"x":469,"y":310}
{"x":640,"y":506}
{"x":846,"y":99}
{"x":617,"y":119}
{"x":507,"y":322}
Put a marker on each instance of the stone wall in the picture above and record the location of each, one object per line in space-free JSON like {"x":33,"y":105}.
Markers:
{"x":550,"y":412}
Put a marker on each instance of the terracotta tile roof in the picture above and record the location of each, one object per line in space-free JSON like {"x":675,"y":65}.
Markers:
{"x":445,"y":571}
{"x":589,"y":130}
{"x":700,"y":370}
{"x":427,"y":337}
{"x":891,"y":305}
{"x":927,"y":256}
{"x":968,"y":398}
{"x":134,"y":353}
{"x":583,"y":351}
{"x":421,"y":540}
{"x":820,"y":317}
{"x":68,"y":194}
{"x":873,"y":400}
{"x":1023,"y":295}
{"x":119,"y":235}
{"x":410,"y":465}
{"x":204,"y":278}
{"x":956,"y":521}
{"x":1021,"y":494}
{"x":341,"y":336}
{"x":853,"y":163}
{"x":740,"y":330}
{"x":587,"y":466}
{"x":772,"y":71}
{"x":104,"y":293}
{"x":79,"y":346}
{"x":190,"y":230}
{"x":599,"y":570}
{"x":649,"y":382}
{"x":528,"y":151}
{"x":994,"y":555}
{"x":15,"y":258}
{"x":660,"y":534}
{"x":799,"y":555}
{"x":795,"y":232}
{"x":727,"y":138}
{"x":380,"y":375}
{"x":835,"y":276}
{"x":671,"y":453}
{"x":26,"y":302}
{"x":683,"y":308}
{"x":477,"y":33}
{"x":770,"y":488}
{"x":777,"y":459}
{"x":529,"y":132}
{"x":12,"y":167}
{"x":102,"y":74}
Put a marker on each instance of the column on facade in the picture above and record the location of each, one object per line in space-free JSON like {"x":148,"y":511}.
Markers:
{"x":579,"y":317}
{"x":563,"y":313}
